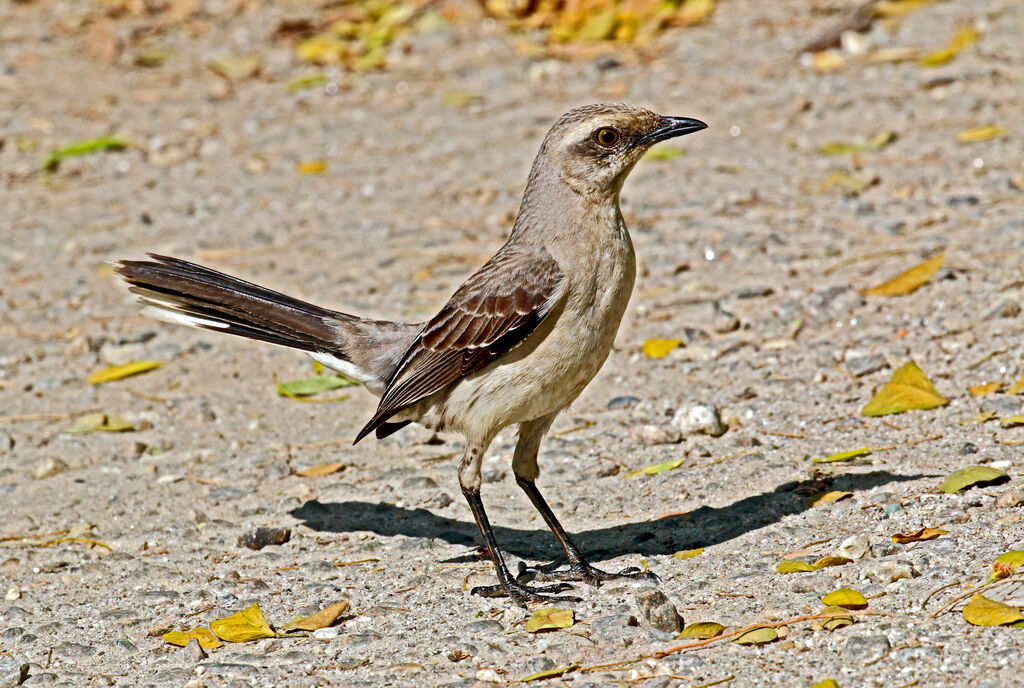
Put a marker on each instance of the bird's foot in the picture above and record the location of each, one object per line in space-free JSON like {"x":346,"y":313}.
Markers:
{"x":583,"y":572}
{"x":524,"y":594}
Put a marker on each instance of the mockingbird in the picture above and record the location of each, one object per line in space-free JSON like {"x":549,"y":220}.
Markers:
{"x":515,"y":344}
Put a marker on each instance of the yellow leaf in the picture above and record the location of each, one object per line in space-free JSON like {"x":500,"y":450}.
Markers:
{"x":840,"y":148}
{"x":322,"y":49}
{"x":909,"y":389}
{"x":550,"y":673}
{"x":908,"y":281}
{"x":981,"y":611}
{"x":659,"y":348}
{"x":971,"y":475}
{"x":845,"y":455}
{"x":757,"y":636}
{"x":827,"y":497}
{"x":236,"y":67}
{"x":962,"y":38}
{"x":695,"y":12}
{"x":982,"y":133}
{"x":794,"y":566}
{"x":311,"y":167}
{"x":461,"y":99}
{"x":702,"y":630}
{"x":846,"y":598}
{"x":918,"y":535}
{"x":840,"y":619}
{"x":243,"y":626}
{"x":122,"y":371}
{"x":980,"y":418}
{"x":207,"y":640}
{"x":656,"y":468}
{"x":1012,"y":421}
{"x":1017,"y":387}
{"x":99,"y":422}
{"x":985,"y":389}
{"x":320,"y":469}
{"x":1006,"y":564}
{"x":827,"y":61}
{"x":827,"y":562}
{"x":688,"y":553}
{"x":827,"y":683}
{"x":549,"y":618}
{"x":322,"y":619}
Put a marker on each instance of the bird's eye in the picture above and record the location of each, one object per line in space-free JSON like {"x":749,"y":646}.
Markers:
{"x":606,"y":136}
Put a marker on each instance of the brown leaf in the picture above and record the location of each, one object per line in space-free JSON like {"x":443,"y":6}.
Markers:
{"x":322,"y":619}
{"x":918,"y":535}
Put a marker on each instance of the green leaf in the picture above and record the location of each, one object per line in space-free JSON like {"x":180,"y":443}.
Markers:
{"x":549,"y":618}
{"x":757,"y":636}
{"x":981,"y":611}
{"x":845,"y":598}
{"x":794,"y":566}
{"x":313,"y":385}
{"x":909,"y":389}
{"x":550,"y":673}
{"x":663,"y":153}
{"x":85,"y":147}
{"x":702,"y":630}
{"x":845,"y":455}
{"x":656,"y":468}
{"x":304,"y":82}
{"x":982,"y":133}
{"x":99,"y":422}
{"x":122,"y":371}
{"x":971,"y":475}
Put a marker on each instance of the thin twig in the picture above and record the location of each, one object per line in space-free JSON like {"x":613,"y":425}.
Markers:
{"x":974,"y":591}
{"x":34,"y":416}
{"x":745,"y":452}
{"x":936,"y":591}
{"x":716,"y":683}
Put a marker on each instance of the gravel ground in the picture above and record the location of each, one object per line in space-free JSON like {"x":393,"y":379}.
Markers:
{"x":738,"y":241}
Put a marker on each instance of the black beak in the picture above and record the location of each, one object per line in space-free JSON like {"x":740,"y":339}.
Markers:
{"x":671,"y":127}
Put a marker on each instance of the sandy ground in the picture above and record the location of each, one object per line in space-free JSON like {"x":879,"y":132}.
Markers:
{"x":416,"y":194}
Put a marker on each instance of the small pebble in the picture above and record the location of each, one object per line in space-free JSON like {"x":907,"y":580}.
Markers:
{"x":262,"y":537}
{"x":1007,"y":308}
{"x":329,"y":633}
{"x":697,"y":417}
{"x":1011,"y":498}
{"x":884,"y":572}
{"x":49,"y":467}
{"x":855,"y":546}
{"x":865,"y":365}
{"x":650,"y":434}
{"x":623,"y":402}
{"x":657,"y":610}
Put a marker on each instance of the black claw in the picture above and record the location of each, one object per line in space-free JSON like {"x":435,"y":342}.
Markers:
{"x":523,"y":594}
{"x":582,"y":572}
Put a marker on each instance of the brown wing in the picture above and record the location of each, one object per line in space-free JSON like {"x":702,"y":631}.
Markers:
{"x":490,"y":314}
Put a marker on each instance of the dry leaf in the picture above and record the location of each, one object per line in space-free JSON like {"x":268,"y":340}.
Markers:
{"x":235,"y":67}
{"x":971,"y":475}
{"x":702,"y":630}
{"x":908,"y":389}
{"x":688,"y":553}
{"x":827,"y":683}
{"x":322,"y":619}
{"x":243,"y":626}
{"x":983,"y":133}
{"x":656,"y":468}
{"x":550,"y":673}
{"x":985,"y":389}
{"x":1017,"y":387}
{"x":757,"y":636}
{"x":320,"y":469}
{"x":908,"y":281}
{"x":981,"y":611}
{"x":207,"y":640}
{"x":549,"y":618}
{"x":845,"y":456}
{"x":827,"y":497}
{"x":841,"y":619}
{"x":659,"y":348}
{"x":845,"y":598}
{"x":794,"y":566}
{"x":918,"y":535}
{"x":311,"y":167}
{"x":1006,"y":564}
{"x":1012,"y":421}
{"x":122,"y":371}
{"x":827,"y":61}
{"x":306,"y":387}
{"x":100,"y":422}
{"x":980,"y":418}
{"x":829,"y":561}
{"x":962,"y":37}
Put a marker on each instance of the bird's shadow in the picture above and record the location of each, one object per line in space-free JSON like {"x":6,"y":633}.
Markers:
{"x":701,"y":527}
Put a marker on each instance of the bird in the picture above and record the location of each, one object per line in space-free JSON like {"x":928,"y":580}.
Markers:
{"x":516,"y":343}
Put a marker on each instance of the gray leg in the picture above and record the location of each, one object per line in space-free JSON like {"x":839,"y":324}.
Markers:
{"x":524,"y":465}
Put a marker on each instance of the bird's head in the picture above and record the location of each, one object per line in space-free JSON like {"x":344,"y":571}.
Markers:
{"x":594,"y":147}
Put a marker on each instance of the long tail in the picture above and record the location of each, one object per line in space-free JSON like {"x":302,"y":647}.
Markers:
{"x":188,"y":294}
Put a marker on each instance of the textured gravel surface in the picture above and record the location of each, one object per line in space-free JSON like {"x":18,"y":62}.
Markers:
{"x":744,"y":256}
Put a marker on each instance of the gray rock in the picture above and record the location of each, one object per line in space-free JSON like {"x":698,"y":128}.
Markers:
{"x":657,"y":610}
{"x":49,"y":467}
{"x":418,"y":482}
{"x":724,"y":321}
{"x":866,"y":648}
{"x":483,"y":626}
{"x":537,"y":664}
{"x":884,"y":572}
{"x":13,"y":671}
{"x":860,"y":366}
{"x":45,"y":678}
{"x":1011,"y":498}
{"x":623,"y":402}
{"x":69,"y":649}
{"x":650,"y":434}
{"x":194,"y":653}
{"x":1002,"y":404}
{"x":697,"y":417}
